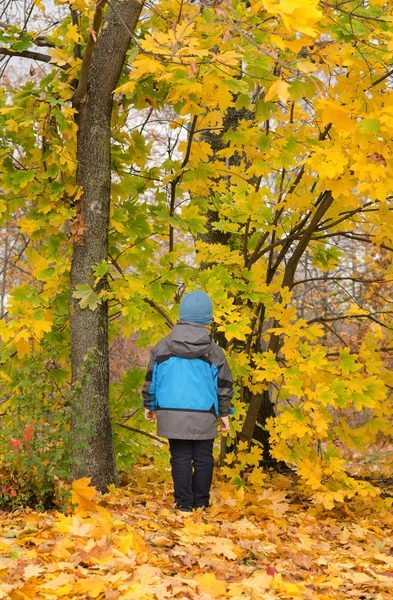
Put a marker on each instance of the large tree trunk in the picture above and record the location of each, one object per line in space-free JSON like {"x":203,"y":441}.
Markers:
{"x":92,"y":445}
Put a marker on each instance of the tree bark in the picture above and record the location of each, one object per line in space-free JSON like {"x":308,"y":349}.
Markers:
{"x":92,"y":444}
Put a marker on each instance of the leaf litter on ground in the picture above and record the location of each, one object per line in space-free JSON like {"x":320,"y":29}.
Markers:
{"x":131,"y":544}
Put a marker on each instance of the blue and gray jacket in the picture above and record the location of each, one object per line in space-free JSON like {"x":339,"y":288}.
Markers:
{"x":189,"y":383}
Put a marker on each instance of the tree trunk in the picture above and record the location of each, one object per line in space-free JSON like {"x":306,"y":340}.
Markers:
{"x":92,"y":444}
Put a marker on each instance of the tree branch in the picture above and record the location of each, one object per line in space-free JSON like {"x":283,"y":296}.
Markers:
{"x":42,"y":42}
{"x":150,"y":435}
{"x":356,"y":279}
{"x":151,"y":303}
{"x":344,"y":217}
{"x":304,"y":241}
{"x":359,"y":316}
{"x":177,"y":179}
{"x":353,"y":236}
{"x":81,"y":90}
{"x":381,"y":79}
{"x":356,"y":15}
{"x":256,"y":255}
{"x":30,"y":54}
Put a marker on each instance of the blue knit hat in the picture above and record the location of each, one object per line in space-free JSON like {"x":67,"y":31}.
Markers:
{"x":196,"y":307}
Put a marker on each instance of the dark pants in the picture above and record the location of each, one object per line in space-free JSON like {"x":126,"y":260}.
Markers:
{"x":192,"y":472}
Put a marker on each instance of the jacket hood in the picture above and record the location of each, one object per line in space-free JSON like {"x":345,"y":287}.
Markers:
{"x":189,"y":340}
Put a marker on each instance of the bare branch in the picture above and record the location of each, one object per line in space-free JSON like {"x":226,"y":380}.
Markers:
{"x":334,"y":279}
{"x":178,"y":178}
{"x":150,"y":435}
{"x":356,"y":15}
{"x":381,"y":79}
{"x":358,"y":316}
{"x":30,"y":54}
{"x":42,"y":42}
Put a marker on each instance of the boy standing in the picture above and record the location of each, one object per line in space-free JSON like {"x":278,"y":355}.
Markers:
{"x":189,"y":386}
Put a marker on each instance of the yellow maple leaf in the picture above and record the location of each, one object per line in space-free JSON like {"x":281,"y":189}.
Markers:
{"x":23,"y":348}
{"x":297,"y":15}
{"x":259,"y":582}
{"x":82,"y":491}
{"x":278,"y":89}
{"x":12,"y":125}
{"x":59,"y":57}
{"x":32,"y":571}
{"x":72,"y":32}
{"x":91,"y":586}
{"x":132,"y":542}
{"x":222,"y":546}
{"x":195,"y":529}
{"x":40,"y":327}
{"x":336,"y":114}
{"x":213,"y":586}
{"x":148,"y":575}
{"x":82,"y":495}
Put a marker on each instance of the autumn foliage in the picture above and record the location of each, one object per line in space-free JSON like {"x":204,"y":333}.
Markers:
{"x":249,"y":545}
{"x":251,"y":156}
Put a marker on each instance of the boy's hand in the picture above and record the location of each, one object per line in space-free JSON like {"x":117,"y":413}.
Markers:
{"x":150,"y":415}
{"x":224,"y":424}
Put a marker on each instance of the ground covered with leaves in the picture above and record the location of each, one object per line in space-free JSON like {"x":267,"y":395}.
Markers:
{"x":132,"y":544}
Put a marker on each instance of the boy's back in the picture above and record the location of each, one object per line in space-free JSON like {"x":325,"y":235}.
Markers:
{"x":189,"y":386}
{"x":188,"y":382}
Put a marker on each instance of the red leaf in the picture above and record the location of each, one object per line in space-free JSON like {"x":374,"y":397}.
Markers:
{"x":15,"y":444}
{"x":28,"y":432}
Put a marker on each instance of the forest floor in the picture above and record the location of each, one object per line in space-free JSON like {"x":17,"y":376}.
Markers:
{"x":131,"y":544}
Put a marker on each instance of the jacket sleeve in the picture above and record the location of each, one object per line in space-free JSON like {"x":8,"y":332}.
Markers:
{"x":225,"y":387}
{"x":149,"y":387}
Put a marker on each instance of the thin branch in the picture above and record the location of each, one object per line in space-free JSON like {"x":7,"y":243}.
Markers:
{"x":150,"y":435}
{"x":358,"y":316}
{"x":151,"y":303}
{"x":344,"y":217}
{"x":30,"y":54}
{"x":381,"y":79}
{"x":42,"y":42}
{"x":178,"y":177}
{"x":333,"y":354}
{"x":334,"y":332}
{"x":77,"y":51}
{"x":245,"y":241}
{"x":353,"y":14}
{"x":160,"y":311}
{"x":353,"y":236}
{"x":356,"y":279}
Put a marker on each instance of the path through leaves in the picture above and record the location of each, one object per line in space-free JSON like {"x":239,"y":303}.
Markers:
{"x":131,"y":544}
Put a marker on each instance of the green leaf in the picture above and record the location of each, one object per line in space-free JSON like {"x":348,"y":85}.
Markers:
{"x":60,"y":375}
{"x":370,"y":126}
{"x":263,"y":109}
{"x":101,"y":269}
{"x":23,"y":44}
{"x":87,"y":296}
{"x":348,"y":362}
{"x":22,"y":177}
{"x":243,"y":101}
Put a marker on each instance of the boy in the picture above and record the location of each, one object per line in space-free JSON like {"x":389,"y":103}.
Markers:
{"x":190,"y":385}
